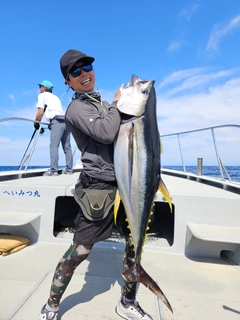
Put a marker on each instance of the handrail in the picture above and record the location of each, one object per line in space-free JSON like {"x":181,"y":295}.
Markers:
{"x":212,"y":129}
{"x":27,"y":157}
{"x":23,"y":119}
{"x":177,"y":134}
{"x":33,"y":142}
{"x":202,"y":129}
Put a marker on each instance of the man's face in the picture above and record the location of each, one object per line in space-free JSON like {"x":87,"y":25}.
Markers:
{"x":84,"y":82}
{"x":42,"y":89}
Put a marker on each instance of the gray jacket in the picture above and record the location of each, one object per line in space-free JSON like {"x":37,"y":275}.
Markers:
{"x":94,"y":128}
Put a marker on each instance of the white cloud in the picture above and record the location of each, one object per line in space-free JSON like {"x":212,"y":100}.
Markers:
{"x":30,"y":93}
{"x":4,"y":140}
{"x":11,"y":96}
{"x":16,"y":113}
{"x":220,"y":31}
{"x":189,"y":11}
{"x":192,"y":78}
{"x":179,"y":75}
{"x":220,"y":104}
{"x":28,"y":113}
{"x":174,"y":46}
{"x":185,"y":14}
{"x":215,"y":104}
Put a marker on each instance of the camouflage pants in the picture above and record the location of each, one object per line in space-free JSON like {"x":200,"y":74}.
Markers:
{"x":70,"y":261}
{"x":65,"y":269}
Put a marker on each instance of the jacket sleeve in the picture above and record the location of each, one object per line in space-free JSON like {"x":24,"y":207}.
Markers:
{"x":100,"y":122}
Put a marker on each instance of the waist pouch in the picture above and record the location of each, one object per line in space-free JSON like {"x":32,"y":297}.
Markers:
{"x":95,"y":204}
{"x":59,"y":117}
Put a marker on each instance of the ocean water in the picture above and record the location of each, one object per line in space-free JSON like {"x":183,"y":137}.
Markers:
{"x":212,"y":171}
{"x":11,"y":168}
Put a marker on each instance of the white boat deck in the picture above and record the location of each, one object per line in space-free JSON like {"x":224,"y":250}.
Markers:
{"x":191,"y":270}
{"x":196,"y":289}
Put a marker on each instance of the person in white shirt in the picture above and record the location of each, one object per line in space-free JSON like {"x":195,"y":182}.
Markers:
{"x":50,"y":105}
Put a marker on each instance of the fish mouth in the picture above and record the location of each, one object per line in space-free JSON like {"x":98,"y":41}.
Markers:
{"x":145,"y":85}
{"x":133,"y":98}
{"x":125,"y":117}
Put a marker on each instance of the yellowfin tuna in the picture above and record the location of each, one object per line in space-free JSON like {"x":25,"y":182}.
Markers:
{"x":137,"y":170}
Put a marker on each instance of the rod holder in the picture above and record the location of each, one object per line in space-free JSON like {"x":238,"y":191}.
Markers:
{"x":199,"y":166}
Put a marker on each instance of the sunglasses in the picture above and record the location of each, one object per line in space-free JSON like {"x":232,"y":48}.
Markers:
{"x":75,"y":73}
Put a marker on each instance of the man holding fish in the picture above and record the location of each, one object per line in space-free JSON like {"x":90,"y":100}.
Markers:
{"x":95,"y":125}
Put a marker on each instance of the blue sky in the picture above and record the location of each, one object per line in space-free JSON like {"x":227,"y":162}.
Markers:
{"x":190,"y":48}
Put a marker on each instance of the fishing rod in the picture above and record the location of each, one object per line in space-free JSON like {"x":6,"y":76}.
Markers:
{"x":41,"y":131}
{"x":20,"y":165}
{"x":28,"y":157}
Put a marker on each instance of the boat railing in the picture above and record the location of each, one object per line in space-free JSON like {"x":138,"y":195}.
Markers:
{"x":27,"y":156}
{"x":213,"y":129}
{"x":32,"y":143}
{"x":179,"y":135}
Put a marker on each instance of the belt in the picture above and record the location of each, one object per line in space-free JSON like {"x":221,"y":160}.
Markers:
{"x":90,"y":179}
{"x":58,"y":117}
{"x":85,"y":179}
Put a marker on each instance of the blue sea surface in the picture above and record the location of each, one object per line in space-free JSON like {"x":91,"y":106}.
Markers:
{"x":11,"y":168}
{"x":212,"y":171}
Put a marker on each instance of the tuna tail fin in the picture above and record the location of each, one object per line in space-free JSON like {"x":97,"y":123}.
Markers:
{"x":163,"y":189}
{"x":116,"y":205}
{"x":138,"y":274}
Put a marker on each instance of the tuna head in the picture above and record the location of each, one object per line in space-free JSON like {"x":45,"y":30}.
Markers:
{"x":134,"y":96}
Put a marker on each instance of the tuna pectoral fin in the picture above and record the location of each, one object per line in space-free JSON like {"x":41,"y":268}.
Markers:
{"x":138,"y":274}
{"x":163,"y":189}
{"x":116,"y":205}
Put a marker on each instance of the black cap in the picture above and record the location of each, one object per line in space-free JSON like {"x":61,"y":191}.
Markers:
{"x":70,"y":58}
